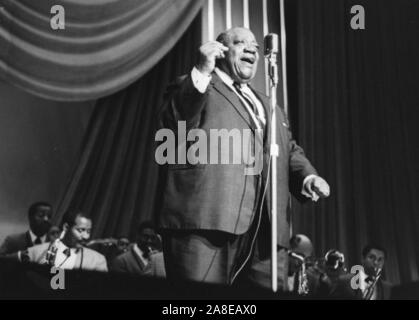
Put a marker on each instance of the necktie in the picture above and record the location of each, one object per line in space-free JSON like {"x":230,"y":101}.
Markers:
{"x":37,"y":241}
{"x":237,"y":86}
{"x":67,"y":252}
{"x":249,"y":101}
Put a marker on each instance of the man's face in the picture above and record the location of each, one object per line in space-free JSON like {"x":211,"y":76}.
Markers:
{"x":39,"y":222}
{"x":54,"y":233}
{"x":78,"y":234}
{"x":373,"y":260}
{"x":147,"y":239}
{"x":123,"y":244}
{"x":242,"y":57}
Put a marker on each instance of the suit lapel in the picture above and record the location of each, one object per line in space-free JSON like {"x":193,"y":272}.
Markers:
{"x":227,"y":93}
{"x":266,"y":133}
{"x":281,"y":135}
{"x":78,"y":262}
{"x":268,"y":117}
{"x":28,"y":240}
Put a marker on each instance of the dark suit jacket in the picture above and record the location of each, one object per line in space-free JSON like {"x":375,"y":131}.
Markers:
{"x":16,"y":242}
{"x":219,"y":196}
{"x":129,"y":262}
{"x":384,"y":290}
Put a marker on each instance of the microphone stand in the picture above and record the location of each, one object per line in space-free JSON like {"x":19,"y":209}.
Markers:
{"x":274,"y":152}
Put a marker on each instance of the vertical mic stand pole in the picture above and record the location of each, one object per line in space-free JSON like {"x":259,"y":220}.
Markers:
{"x":274,"y":152}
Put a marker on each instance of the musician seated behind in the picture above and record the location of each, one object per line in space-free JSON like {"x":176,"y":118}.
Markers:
{"x":144,"y":257}
{"x":373,"y":261}
{"x":301,"y":245}
{"x":39,"y":216}
{"x":68,"y":252}
{"x":335,"y":280}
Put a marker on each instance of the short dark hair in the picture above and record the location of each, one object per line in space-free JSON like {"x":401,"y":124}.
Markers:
{"x":71,"y":215}
{"x":375,"y":246}
{"x":224,"y":37}
{"x":36,"y":205}
{"x":146,"y":225}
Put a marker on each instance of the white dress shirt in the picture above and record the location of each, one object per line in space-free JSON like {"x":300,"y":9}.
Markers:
{"x":34,"y":237}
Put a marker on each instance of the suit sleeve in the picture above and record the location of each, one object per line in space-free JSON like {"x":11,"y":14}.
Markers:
{"x":182,"y":102}
{"x":4,"y":249}
{"x":299,"y":166}
{"x":34,"y":253}
{"x":27,"y":255}
{"x":101,"y":265}
{"x":158,"y":268}
{"x":117,"y":265}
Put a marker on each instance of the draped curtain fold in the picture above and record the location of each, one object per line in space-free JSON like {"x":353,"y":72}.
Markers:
{"x":116,"y":178}
{"x":354,"y":108}
{"x":105,"y":46}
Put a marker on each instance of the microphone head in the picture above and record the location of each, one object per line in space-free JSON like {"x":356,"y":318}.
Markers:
{"x":271,"y":44}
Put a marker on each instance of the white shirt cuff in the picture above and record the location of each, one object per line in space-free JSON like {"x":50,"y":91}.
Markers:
{"x":312,"y":196}
{"x":199,"y":80}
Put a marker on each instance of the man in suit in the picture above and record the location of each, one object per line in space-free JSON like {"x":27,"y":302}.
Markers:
{"x":334,"y":281}
{"x":69,"y":252}
{"x":373,"y":260}
{"x":143,"y":258}
{"x":214,"y":221}
{"x":39,"y":215}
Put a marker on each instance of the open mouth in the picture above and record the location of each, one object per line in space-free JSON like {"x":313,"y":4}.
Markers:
{"x":248,"y":59}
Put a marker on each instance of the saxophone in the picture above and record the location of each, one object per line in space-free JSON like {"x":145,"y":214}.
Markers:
{"x":302,"y":274}
{"x":370,"y":290}
{"x":303,"y":281}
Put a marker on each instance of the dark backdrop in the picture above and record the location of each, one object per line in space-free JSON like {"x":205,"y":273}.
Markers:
{"x":39,"y":143}
{"x":354,"y":106}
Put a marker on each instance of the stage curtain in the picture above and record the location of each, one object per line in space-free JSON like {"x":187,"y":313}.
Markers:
{"x":117,"y":179}
{"x":105,"y":46}
{"x":354,"y":108}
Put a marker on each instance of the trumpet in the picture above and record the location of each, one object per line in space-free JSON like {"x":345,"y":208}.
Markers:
{"x":303,"y":288}
{"x":370,"y":290}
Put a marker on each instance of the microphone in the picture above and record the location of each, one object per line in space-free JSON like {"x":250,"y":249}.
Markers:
{"x":271,"y":44}
{"x":271,"y":51}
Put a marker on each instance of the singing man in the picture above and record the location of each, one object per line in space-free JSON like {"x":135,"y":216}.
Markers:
{"x":215,"y":219}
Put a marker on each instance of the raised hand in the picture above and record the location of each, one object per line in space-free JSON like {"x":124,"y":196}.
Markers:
{"x":208,"y":53}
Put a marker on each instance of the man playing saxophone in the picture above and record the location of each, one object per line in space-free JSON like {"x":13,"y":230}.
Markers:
{"x":373,"y":286}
